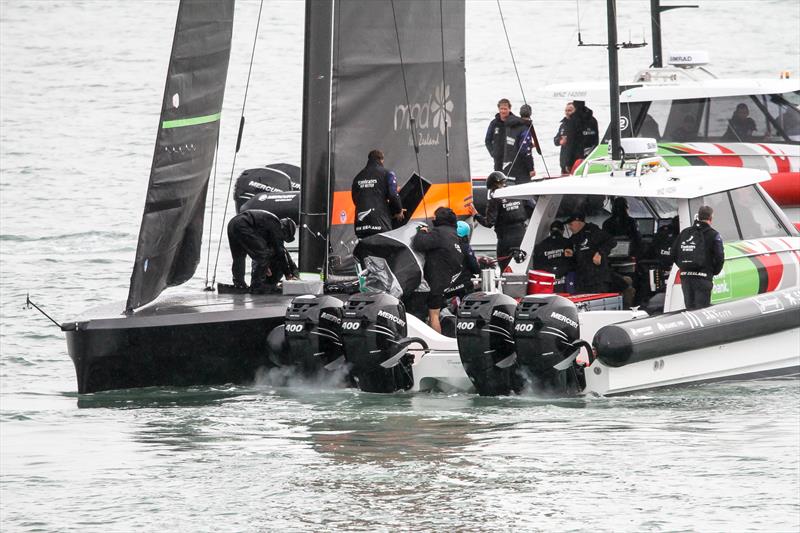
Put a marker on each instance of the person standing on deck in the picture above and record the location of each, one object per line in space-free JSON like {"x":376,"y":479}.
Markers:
{"x":521,"y":167}
{"x":508,"y":217}
{"x":560,"y":139}
{"x":375,"y":196}
{"x":699,"y":253}
{"x":497,"y":140}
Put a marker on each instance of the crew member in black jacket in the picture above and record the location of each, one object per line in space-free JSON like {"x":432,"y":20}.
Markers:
{"x":697,"y":282}
{"x":375,"y":196}
{"x":582,"y":132}
{"x":508,"y":217}
{"x":443,"y":259}
{"x":261,"y":235}
{"x":521,"y":167}
{"x":550,"y":255}
{"x":498,"y":141}
{"x":565,"y":159}
{"x":590,"y":248}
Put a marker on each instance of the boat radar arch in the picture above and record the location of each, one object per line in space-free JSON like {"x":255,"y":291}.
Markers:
{"x":693,"y":59}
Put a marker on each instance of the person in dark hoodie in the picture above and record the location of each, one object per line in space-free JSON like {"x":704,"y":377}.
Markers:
{"x":560,"y":139}
{"x":508,"y":217}
{"x":521,"y":167}
{"x":471,"y":267}
{"x":261,"y":235}
{"x":590,"y":248}
{"x":374,"y":193}
{"x":582,"y":132}
{"x":550,"y":255}
{"x":699,"y":253}
{"x":621,"y":225}
{"x":499,"y":144}
{"x":443,"y":259}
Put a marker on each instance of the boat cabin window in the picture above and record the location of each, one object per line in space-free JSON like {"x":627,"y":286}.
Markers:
{"x":722,"y":220}
{"x":650,"y":213}
{"x":743,"y":118}
{"x":755,"y":217}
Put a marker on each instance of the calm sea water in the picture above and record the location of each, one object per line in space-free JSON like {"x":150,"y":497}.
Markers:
{"x":80,"y":87}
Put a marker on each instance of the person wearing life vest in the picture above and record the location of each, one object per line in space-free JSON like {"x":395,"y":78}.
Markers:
{"x":443,"y":259}
{"x":590,"y":248}
{"x":550,"y":255}
{"x":699,"y":254}
{"x":660,"y":251}
{"x":261,"y":235}
{"x":508,"y":217}
{"x":375,"y":196}
{"x":521,"y":167}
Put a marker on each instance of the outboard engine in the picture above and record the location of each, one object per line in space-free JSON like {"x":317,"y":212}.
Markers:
{"x":485,"y":335}
{"x":374,"y":334}
{"x":313,"y":335}
{"x":547,"y":334}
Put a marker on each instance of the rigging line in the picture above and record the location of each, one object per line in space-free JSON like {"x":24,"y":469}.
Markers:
{"x":213,"y":201}
{"x":411,"y":119}
{"x":443,"y":111}
{"x":511,"y":51}
{"x":238,"y":141}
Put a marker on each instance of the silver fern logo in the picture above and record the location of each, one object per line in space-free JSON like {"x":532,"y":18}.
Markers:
{"x":441,"y":107}
{"x":430,"y":118}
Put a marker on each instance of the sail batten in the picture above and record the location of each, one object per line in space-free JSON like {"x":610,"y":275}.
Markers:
{"x":168,"y":249}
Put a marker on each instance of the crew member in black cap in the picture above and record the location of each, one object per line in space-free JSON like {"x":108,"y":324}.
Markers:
{"x":508,"y":217}
{"x":261,"y":235}
{"x":443,"y":259}
{"x":550,"y":255}
{"x":374,"y":193}
{"x":590,"y":248}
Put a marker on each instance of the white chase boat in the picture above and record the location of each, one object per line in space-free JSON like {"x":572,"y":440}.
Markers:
{"x":508,"y":347}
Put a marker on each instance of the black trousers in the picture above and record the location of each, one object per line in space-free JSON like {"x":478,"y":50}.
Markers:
{"x":508,"y":239}
{"x":696,"y":292}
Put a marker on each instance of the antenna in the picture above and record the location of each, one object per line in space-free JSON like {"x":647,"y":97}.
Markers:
{"x":655,"y":24}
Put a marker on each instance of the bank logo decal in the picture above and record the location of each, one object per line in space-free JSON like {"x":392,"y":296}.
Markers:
{"x":430,"y":117}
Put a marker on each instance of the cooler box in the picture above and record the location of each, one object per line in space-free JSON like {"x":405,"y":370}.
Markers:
{"x":515,"y":285}
{"x":540,"y":282}
{"x":608,"y":301}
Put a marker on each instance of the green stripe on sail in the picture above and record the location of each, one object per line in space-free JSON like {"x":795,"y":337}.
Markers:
{"x":193,"y":121}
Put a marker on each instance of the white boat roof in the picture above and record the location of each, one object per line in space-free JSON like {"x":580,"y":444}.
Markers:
{"x":680,"y":182}
{"x":677,"y":90}
{"x":709,"y":89}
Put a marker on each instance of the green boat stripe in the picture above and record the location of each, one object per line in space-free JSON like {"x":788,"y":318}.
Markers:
{"x":192,"y":121}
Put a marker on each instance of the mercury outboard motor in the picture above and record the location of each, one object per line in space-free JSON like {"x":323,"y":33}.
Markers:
{"x":547,"y":334}
{"x":313,"y":335}
{"x":485,"y":335}
{"x":374,"y":334}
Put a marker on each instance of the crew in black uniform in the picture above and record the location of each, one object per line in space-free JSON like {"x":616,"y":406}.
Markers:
{"x":550,"y":255}
{"x":521,"y":167}
{"x":463,"y":284}
{"x":590,"y":248}
{"x":375,"y":196}
{"x":622,"y":226}
{"x":499,"y":144}
{"x":660,"y":252}
{"x":582,"y":132}
{"x":261,"y":235}
{"x":443,"y":259}
{"x":508,"y":217}
{"x":699,"y":253}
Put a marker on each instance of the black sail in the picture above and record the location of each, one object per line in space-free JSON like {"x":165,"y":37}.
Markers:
{"x":370,"y":110}
{"x":168,"y":251}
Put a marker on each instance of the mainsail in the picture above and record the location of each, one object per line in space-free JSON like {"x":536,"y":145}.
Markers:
{"x":375,"y":96}
{"x":170,"y":235}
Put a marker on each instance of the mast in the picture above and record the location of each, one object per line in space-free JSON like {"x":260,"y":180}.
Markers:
{"x":315,"y":156}
{"x":613,"y":78}
{"x":655,"y":27}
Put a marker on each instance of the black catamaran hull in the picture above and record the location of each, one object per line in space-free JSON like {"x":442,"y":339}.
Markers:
{"x":215,"y":340}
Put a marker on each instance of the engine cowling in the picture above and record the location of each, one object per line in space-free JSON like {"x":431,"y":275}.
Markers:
{"x":485,"y":335}
{"x":547,"y":336}
{"x":373,"y":332}
{"x":313,"y":332}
